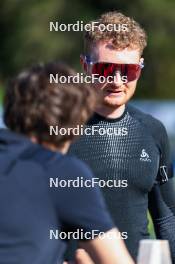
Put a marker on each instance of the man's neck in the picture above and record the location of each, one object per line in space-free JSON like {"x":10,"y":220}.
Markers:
{"x":110,"y":112}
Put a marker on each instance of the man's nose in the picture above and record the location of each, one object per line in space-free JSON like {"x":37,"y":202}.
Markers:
{"x":118,"y":80}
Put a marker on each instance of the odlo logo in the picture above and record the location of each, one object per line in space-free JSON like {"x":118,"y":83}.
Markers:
{"x":144,"y":156}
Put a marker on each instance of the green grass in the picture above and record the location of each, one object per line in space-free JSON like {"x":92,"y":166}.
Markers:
{"x":1,"y":95}
{"x":150,"y":227}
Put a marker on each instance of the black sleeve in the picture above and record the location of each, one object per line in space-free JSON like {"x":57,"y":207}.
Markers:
{"x":159,"y":134}
{"x":168,"y":194}
{"x":163,"y":218}
{"x":161,"y":199}
{"x":80,"y":207}
{"x":165,"y":172}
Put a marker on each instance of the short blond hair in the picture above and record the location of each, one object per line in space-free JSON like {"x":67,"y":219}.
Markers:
{"x":134,"y":37}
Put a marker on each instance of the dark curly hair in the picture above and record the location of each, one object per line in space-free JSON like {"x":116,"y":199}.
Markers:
{"x":32,"y":104}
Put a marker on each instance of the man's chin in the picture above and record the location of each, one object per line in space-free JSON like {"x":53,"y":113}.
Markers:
{"x":113,"y":103}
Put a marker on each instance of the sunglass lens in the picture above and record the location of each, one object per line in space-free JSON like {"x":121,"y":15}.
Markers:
{"x":131,"y":71}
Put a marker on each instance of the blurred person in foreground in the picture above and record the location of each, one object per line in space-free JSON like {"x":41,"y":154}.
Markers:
{"x":29,"y":156}
{"x":138,"y":152}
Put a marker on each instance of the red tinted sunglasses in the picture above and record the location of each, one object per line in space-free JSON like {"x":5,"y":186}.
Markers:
{"x":131,"y":71}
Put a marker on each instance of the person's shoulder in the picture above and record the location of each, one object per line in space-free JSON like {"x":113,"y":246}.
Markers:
{"x":58,"y":164}
{"x":147,"y":120}
{"x":70,"y":166}
{"x":77,"y":164}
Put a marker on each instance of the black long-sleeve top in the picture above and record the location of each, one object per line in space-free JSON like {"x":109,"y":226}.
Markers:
{"x":162,"y":209}
{"x":136,"y":153}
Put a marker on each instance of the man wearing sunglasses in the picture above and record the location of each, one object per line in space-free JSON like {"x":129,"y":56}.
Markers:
{"x":140,"y":156}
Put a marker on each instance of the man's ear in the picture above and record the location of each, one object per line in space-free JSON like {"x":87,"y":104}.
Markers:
{"x":83,"y":63}
{"x":142,"y":62}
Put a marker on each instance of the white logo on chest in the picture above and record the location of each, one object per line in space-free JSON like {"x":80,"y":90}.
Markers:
{"x":144,"y":156}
